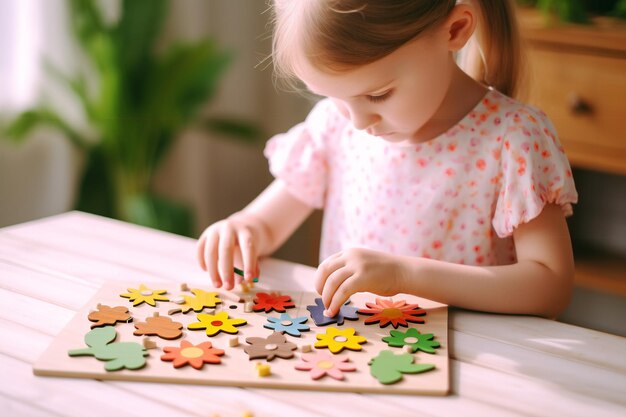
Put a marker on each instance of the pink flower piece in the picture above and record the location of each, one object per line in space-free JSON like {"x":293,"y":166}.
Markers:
{"x":324,"y":363}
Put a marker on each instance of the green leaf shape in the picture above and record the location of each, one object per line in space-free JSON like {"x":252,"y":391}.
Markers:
{"x":119,"y":355}
{"x":424,"y":342}
{"x":388,"y":368}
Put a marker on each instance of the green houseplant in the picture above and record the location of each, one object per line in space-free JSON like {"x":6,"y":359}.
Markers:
{"x":135,"y":101}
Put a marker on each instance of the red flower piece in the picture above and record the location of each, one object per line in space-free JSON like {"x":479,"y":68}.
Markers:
{"x":269,"y":302}
{"x":396,"y":313}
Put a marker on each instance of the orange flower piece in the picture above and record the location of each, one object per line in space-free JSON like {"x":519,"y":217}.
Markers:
{"x":396,"y":313}
{"x":190,"y":354}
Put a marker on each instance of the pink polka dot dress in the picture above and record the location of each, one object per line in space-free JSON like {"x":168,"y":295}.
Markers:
{"x":456,"y":198}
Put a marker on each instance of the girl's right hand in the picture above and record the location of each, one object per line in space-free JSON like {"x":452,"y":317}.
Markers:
{"x":226,"y":244}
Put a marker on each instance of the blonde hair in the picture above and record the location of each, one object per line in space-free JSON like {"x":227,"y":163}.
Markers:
{"x":337,"y":35}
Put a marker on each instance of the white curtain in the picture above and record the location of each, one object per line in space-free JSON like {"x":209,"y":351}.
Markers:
{"x":37,"y":178}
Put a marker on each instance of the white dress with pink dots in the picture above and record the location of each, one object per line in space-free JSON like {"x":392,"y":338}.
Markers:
{"x":455,"y":198}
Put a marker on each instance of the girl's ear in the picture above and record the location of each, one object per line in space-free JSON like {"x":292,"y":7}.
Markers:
{"x":460,"y":25}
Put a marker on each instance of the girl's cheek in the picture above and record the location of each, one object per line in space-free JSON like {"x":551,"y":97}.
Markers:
{"x":343,"y":109}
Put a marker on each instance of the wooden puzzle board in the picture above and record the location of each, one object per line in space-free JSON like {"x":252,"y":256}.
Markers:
{"x":236,"y":369}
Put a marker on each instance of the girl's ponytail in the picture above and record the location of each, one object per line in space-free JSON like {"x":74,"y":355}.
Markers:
{"x":494,"y":57}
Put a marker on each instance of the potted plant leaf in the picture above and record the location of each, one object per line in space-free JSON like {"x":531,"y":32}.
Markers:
{"x":136,"y":101}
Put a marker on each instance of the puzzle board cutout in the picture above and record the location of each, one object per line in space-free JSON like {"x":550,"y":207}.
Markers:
{"x":235,"y":367}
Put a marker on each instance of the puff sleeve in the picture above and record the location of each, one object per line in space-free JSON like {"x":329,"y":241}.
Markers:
{"x":534,"y":171}
{"x":299,"y":157}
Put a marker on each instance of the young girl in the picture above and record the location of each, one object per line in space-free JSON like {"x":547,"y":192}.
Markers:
{"x":432,"y":182}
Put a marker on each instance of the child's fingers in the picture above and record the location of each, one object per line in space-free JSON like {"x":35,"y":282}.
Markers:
{"x":210,"y":255}
{"x":324,"y":270}
{"x":226,"y":247}
{"x":333,"y":282}
{"x":248,"y":253}
{"x":200,"y":251}
{"x":341,"y":295}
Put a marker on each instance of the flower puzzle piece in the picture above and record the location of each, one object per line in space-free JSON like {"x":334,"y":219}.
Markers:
{"x":388,"y":368}
{"x":396,"y":313}
{"x":215,"y":323}
{"x":346,"y":312}
{"x":287,"y":324}
{"x":199,"y":300}
{"x":144,"y":295}
{"x":161,"y":326}
{"x":269,"y":347}
{"x":190,"y":354}
{"x":118,"y":355}
{"x":323,"y":363}
{"x":412,"y":338}
{"x":108,"y":316}
{"x":337,"y":340}
{"x":268,"y":302}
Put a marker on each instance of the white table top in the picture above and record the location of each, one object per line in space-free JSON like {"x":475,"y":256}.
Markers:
{"x":500,"y":365}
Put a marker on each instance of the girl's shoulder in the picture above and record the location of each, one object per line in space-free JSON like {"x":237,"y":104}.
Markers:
{"x":513,"y":113}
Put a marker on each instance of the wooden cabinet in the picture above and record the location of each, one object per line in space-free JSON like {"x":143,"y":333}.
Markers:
{"x":577,"y":75}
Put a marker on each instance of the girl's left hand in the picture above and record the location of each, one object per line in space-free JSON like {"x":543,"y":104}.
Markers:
{"x":355,"y":270}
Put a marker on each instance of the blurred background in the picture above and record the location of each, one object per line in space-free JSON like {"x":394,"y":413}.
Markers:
{"x":156,"y":112}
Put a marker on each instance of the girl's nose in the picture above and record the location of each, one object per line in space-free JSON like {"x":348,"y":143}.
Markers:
{"x":362,"y":118}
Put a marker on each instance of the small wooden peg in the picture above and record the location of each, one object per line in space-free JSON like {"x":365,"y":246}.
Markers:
{"x":184,"y":287}
{"x":149,"y":343}
{"x":407,"y":348}
{"x":247,"y":413}
{"x":263,"y":369}
{"x":247,"y":307}
{"x":306,"y":348}
{"x":245,"y":288}
{"x":178,"y":300}
{"x":155,"y":314}
{"x":233,"y":342}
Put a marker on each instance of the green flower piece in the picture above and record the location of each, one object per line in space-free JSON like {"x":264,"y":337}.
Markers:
{"x":119,"y":355}
{"x":413,"y":338}
{"x":388,"y":368}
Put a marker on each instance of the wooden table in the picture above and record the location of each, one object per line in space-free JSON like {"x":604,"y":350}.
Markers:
{"x":500,"y":365}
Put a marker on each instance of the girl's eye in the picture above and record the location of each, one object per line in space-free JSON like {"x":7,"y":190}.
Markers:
{"x":379,"y":98}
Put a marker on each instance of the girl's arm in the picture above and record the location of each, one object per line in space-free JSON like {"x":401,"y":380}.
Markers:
{"x":539,"y":283}
{"x":257,"y":230}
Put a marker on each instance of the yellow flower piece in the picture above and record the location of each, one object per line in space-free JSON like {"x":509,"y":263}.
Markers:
{"x":144,"y":295}
{"x":336,"y":340}
{"x":214,"y":324}
{"x":201,"y":300}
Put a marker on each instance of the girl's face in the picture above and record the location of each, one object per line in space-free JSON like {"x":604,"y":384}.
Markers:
{"x":395,"y":97}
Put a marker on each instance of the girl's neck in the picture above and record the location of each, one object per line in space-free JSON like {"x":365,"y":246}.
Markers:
{"x":463,"y":94}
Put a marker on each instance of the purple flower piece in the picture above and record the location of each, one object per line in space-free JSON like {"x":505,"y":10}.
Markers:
{"x":346,"y":312}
